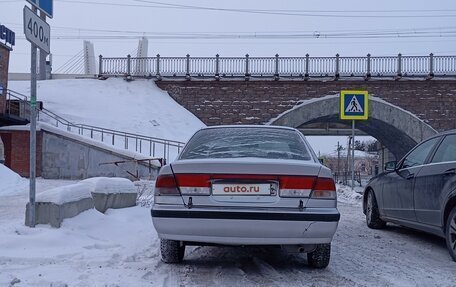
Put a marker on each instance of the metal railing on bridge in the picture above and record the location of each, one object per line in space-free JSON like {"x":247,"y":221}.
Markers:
{"x":146,"y":145}
{"x":279,"y":67}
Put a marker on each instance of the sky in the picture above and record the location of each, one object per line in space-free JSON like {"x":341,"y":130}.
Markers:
{"x":238,"y":27}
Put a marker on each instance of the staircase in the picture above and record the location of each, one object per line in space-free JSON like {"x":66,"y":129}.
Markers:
{"x":17,"y":110}
{"x":18,"y":113}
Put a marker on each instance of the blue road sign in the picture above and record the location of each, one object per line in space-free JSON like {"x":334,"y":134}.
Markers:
{"x":44,"y":5}
{"x":354,"y":105}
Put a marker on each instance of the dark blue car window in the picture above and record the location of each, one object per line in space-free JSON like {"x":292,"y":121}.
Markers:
{"x":447,"y":150}
{"x":419,"y":154}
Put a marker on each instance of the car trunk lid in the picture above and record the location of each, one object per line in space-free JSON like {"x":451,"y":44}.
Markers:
{"x":246,"y":182}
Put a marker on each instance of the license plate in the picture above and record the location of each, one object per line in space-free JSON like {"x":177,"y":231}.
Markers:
{"x":241,"y":189}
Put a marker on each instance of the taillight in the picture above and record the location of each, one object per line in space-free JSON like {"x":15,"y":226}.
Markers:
{"x":296,"y":186}
{"x":194,"y":184}
{"x":189,"y":184}
{"x":166,"y":185}
{"x":324,"y":189}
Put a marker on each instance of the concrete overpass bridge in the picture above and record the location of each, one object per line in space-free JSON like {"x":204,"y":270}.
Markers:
{"x":412,"y":97}
{"x":402,"y":113}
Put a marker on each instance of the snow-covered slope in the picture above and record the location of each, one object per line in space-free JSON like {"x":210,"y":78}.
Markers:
{"x":136,"y":107}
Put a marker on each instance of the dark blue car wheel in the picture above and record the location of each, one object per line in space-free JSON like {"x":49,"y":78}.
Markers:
{"x":451,"y":233}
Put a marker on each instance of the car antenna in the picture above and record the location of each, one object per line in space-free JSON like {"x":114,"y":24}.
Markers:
{"x":190,"y":201}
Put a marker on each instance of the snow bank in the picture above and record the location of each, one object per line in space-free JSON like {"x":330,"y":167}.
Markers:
{"x":64,"y":194}
{"x":358,"y":154}
{"x":91,"y":249}
{"x":347,"y":195}
{"x":11,"y":182}
{"x":109,"y":185}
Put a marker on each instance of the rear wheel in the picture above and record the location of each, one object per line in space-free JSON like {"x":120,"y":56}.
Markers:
{"x":451,"y":233}
{"x":372,"y":214}
{"x":172,"y":251}
{"x":319,"y":258}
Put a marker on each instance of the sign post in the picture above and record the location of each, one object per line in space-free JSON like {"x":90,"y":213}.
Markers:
{"x":354,"y":106}
{"x":38,"y":33}
{"x":46,"y":6}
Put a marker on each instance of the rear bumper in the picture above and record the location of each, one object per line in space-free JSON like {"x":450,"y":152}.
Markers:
{"x":235,"y":227}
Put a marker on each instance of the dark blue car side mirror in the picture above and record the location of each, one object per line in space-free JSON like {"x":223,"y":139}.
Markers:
{"x":391,"y":165}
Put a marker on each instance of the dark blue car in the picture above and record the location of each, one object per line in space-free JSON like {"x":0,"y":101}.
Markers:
{"x":419,"y":191}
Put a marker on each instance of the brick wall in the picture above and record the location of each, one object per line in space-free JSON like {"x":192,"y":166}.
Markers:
{"x":254,"y":102}
{"x":4,"y":60}
{"x":17,"y":151}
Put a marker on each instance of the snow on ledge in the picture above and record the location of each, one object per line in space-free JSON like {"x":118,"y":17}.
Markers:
{"x":109,"y":185}
{"x":65,"y":194}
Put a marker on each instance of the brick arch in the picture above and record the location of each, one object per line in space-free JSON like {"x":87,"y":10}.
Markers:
{"x":396,"y":128}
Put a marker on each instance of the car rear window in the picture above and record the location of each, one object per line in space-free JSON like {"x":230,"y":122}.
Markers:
{"x":246,"y":142}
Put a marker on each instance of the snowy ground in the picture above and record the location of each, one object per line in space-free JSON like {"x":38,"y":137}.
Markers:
{"x":121,"y":248}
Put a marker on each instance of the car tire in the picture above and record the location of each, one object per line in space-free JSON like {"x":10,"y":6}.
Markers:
{"x":372,"y":214}
{"x":451,"y":233}
{"x":319,"y":258}
{"x":172,"y":251}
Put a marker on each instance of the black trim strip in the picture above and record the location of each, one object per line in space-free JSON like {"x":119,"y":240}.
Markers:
{"x":331,"y":217}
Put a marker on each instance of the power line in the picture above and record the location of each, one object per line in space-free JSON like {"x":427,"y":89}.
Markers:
{"x":279,"y":12}
{"x":258,"y":36}
{"x":354,"y":31}
{"x":284,"y":13}
{"x":172,"y":5}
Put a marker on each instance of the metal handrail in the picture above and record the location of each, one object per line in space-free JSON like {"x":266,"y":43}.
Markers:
{"x":303,"y":67}
{"x":153,"y":146}
{"x":20,"y":110}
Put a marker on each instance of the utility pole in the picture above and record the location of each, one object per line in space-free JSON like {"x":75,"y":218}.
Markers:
{"x":338,"y":158}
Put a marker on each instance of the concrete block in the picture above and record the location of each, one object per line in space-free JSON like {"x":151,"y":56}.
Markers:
{"x":111,"y":192}
{"x":104,"y":201}
{"x":54,"y":214}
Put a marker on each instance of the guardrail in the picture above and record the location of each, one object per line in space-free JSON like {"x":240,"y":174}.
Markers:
{"x":17,"y":105}
{"x":151,"y":146}
{"x":279,"y":67}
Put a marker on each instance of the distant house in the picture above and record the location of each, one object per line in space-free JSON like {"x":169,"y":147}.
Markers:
{"x":366,"y":164}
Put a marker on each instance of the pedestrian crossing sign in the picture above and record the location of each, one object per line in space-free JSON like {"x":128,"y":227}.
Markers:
{"x":354,"y":105}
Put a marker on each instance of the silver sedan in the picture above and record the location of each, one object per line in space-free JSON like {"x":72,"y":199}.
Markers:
{"x":246,"y":185}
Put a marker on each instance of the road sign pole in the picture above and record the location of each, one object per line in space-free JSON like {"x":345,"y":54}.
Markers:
{"x":32,"y":215}
{"x":354,"y":106}
{"x":43,"y":55}
{"x":353,"y":156}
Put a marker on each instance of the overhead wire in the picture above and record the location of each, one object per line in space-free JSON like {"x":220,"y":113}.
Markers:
{"x":279,"y":12}
{"x":284,"y":13}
